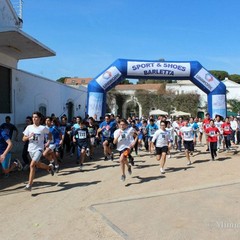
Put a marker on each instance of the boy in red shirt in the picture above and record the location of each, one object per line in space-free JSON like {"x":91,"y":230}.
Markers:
{"x":227,"y":131}
{"x":212,"y":133}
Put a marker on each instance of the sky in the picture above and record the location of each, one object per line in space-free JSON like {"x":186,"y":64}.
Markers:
{"x":89,"y":35}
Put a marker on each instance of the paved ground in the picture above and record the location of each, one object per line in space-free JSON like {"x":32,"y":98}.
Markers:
{"x":200,"y":201}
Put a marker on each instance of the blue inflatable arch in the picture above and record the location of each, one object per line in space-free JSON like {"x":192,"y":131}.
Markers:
{"x":174,"y":70}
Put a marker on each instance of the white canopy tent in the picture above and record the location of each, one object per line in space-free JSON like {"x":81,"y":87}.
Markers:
{"x":180,"y":113}
{"x":157,"y":112}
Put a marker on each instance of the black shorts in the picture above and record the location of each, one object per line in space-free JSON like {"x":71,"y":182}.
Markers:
{"x":83,"y":145}
{"x":188,"y":145}
{"x":109,"y":140}
{"x":160,"y":150}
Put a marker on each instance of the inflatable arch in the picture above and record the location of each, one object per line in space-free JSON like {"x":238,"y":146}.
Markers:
{"x":174,"y":70}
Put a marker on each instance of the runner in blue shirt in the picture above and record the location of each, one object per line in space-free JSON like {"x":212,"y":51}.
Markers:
{"x":106,"y":129}
{"x":151,"y":129}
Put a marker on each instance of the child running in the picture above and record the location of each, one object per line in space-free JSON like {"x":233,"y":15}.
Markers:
{"x":162,"y":138}
{"x":124,"y":138}
{"x":212,"y":132}
{"x":81,"y":137}
{"x":35,"y":134}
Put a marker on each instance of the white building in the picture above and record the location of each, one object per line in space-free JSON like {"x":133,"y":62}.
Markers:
{"x":22,"y":93}
{"x":186,"y":86}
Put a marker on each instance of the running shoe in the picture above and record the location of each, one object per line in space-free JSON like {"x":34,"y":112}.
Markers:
{"x":131,"y":160}
{"x":129,"y":170}
{"x":105,"y":158}
{"x":162,"y":170}
{"x":56,"y":168}
{"x":81,"y":167}
{"x":51,"y":169}
{"x":88,"y":152}
{"x":28,"y":188}
{"x":189,"y":163}
{"x":18,"y":164}
{"x":123,"y":178}
{"x":207,"y":150}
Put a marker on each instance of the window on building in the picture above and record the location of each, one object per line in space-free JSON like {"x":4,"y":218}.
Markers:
{"x":43,"y":110}
{"x":83,"y":81}
{"x":5,"y":90}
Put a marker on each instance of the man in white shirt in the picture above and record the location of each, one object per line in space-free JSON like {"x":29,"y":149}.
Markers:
{"x":234,"y":126}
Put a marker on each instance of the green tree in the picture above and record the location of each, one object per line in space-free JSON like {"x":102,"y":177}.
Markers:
{"x":235,"y":78}
{"x":220,"y":75}
{"x":62,"y":79}
{"x":235,"y":104}
{"x":125,"y":81}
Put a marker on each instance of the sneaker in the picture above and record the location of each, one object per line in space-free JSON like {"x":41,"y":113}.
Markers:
{"x":105,"y":158}
{"x":218,"y":149}
{"x":56,"y":168}
{"x":207,"y":150}
{"x":162,"y":170}
{"x":88,"y":152}
{"x":169,"y":155}
{"x":131,"y":160}
{"x":81,"y":167}
{"x":189,"y":163}
{"x":51,"y":169}
{"x":112,"y":156}
{"x":123,"y":178}
{"x":129,"y":170}
{"x":18,"y":164}
{"x":28,"y":188}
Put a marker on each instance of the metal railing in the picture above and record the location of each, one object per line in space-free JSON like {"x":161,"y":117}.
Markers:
{"x":18,"y":6}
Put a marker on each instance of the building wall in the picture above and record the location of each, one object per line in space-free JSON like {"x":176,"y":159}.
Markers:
{"x":30,"y":91}
{"x":7,"y":61}
{"x":8,"y":17}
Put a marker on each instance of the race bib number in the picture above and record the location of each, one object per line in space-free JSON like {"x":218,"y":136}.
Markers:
{"x":82,"y":135}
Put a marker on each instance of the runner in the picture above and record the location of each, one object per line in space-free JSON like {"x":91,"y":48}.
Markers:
{"x":5,"y":155}
{"x":188,"y":136}
{"x":124,"y":139}
{"x":81,"y":137}
{"x":106,"y":129}
{"x":162,"y":138}
{"x":227,"y":131}
{"x":151,"y":129}
{"x":170,"y":132}
{"x":92,"y":130}
{"x":206,"y":124}
{"x":212,"y":132}
{"x":35,"y":134}
{"x":200,"y":127}
{"x":218,"y":123}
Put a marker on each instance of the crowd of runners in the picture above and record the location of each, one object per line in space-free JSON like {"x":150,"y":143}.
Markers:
{"x":51,"y":139}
